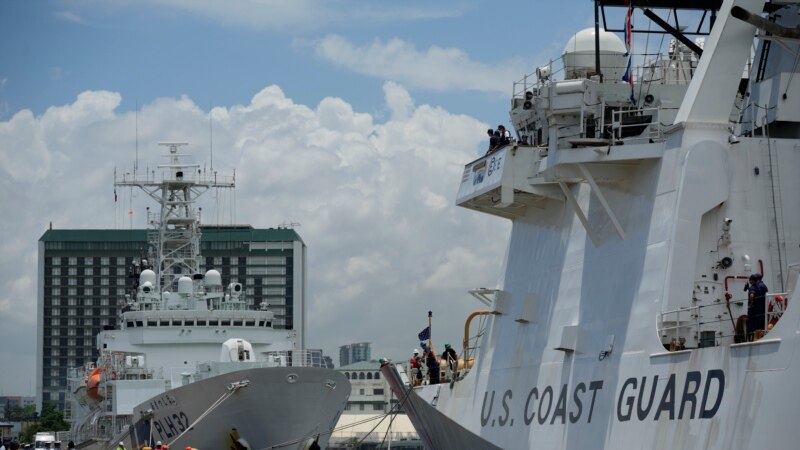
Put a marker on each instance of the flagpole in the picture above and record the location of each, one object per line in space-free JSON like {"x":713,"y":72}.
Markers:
{"x":597,"y":68}
{"x":430,"y":331}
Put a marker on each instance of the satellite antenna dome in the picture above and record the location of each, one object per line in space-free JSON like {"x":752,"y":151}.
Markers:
{"x":579,"y":55}
{"x":212,"y":278}
{"x":147,"y":276}
{"x":185,"y":286}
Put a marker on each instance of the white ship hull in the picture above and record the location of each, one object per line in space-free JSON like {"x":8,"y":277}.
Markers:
{"x":278,"y":405}
{"x":526,"y":391}
{"x":736,"y":397}
{"x":192,"y":363}
{"x":612,"y":326}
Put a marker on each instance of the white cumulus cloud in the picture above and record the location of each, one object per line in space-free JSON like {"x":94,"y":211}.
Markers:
{"x":436,"y":68}
{"x":69,"y":16}
{"x":294,"y":15}
{"x":57,"y":73}
{"x":374,"y":201}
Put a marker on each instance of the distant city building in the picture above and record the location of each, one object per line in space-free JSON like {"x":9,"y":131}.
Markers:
{"x":85,"y":274}
{"x":371,"y":397}
{"x":8,"y":402}
{"x":314,"y":357}
{"x":353,"y":353}
{"x":369,"y":393}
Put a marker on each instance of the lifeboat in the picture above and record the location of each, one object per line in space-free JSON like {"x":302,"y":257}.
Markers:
{"x":92,"y":384}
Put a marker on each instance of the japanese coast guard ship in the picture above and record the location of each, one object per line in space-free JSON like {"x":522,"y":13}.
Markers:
{"x":639,"y":209}
{"x":191,"y":363}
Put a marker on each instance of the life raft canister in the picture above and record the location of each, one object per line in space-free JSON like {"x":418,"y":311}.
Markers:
{"x":92,"y":383}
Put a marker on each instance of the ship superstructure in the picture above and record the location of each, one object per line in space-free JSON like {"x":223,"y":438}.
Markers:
{"x":185,"y":342}
{"x":641,"y":209}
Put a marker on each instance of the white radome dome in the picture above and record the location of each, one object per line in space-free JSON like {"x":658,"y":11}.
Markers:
{"x":579,"y":55}
{"x":185,"y":285}
{"x":212,"y":278}
{"x":147,"y":276}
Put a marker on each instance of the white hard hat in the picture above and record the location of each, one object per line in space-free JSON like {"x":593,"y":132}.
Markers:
{"x":416,"y":351}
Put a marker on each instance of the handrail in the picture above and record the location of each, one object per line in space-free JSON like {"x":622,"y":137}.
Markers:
{"x":466,"y":331}
{"x":642,"y":68}
{"x":654,"y":129}
{"x":773,"y":310}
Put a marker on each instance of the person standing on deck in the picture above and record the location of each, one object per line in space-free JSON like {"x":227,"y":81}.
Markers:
{"x":494,"y":141}
{"x":505,"y":135}
{"x":756,"y":305}
{"x":415,"y":363}
{"x":433,"y":366}
{"x":451,"y":358}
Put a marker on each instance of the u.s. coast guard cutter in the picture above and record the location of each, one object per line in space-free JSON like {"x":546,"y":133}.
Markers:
{"x":192,"y":363}
{"x":639,"y":210}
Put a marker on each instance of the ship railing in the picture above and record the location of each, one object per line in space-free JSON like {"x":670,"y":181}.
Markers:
{"x":647,"y":68}
{"x":79,"y":373}
{"x":530,"y":81}
{"x":653,"y":130}
{"x":708,"y":324}
{"x":103,"y":428}
{"x":198,"y":177}
{"x":345,"y":436}
{"x":471,"y":344}
{"x":67,"y":411}
{"x":697,"y":326}
{"x":297,"y":358}
{"x":120,"y":365}
{"x":64,"y":436}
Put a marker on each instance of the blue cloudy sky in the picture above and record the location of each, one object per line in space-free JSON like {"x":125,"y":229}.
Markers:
{"x":352,"y":117}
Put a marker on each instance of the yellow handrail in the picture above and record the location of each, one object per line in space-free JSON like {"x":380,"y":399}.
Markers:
{"x":466,"y":331}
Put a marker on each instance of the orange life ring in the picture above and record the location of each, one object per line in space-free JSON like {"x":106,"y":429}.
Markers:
{"x":776,"y":307}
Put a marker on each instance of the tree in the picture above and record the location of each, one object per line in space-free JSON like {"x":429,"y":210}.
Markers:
{"x":51,"y":419}
{"x":29,"y":413}
{"x":13,"y":413}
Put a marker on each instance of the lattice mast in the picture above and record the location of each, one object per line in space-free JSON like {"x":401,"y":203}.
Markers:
{"x":174,"y":234}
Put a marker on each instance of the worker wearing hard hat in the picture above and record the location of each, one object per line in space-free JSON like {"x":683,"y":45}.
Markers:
{"x":415,"y":363}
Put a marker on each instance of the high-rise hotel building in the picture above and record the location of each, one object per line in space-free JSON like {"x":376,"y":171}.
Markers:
{"x":85,"y":274}
{"x":353,"y":353}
